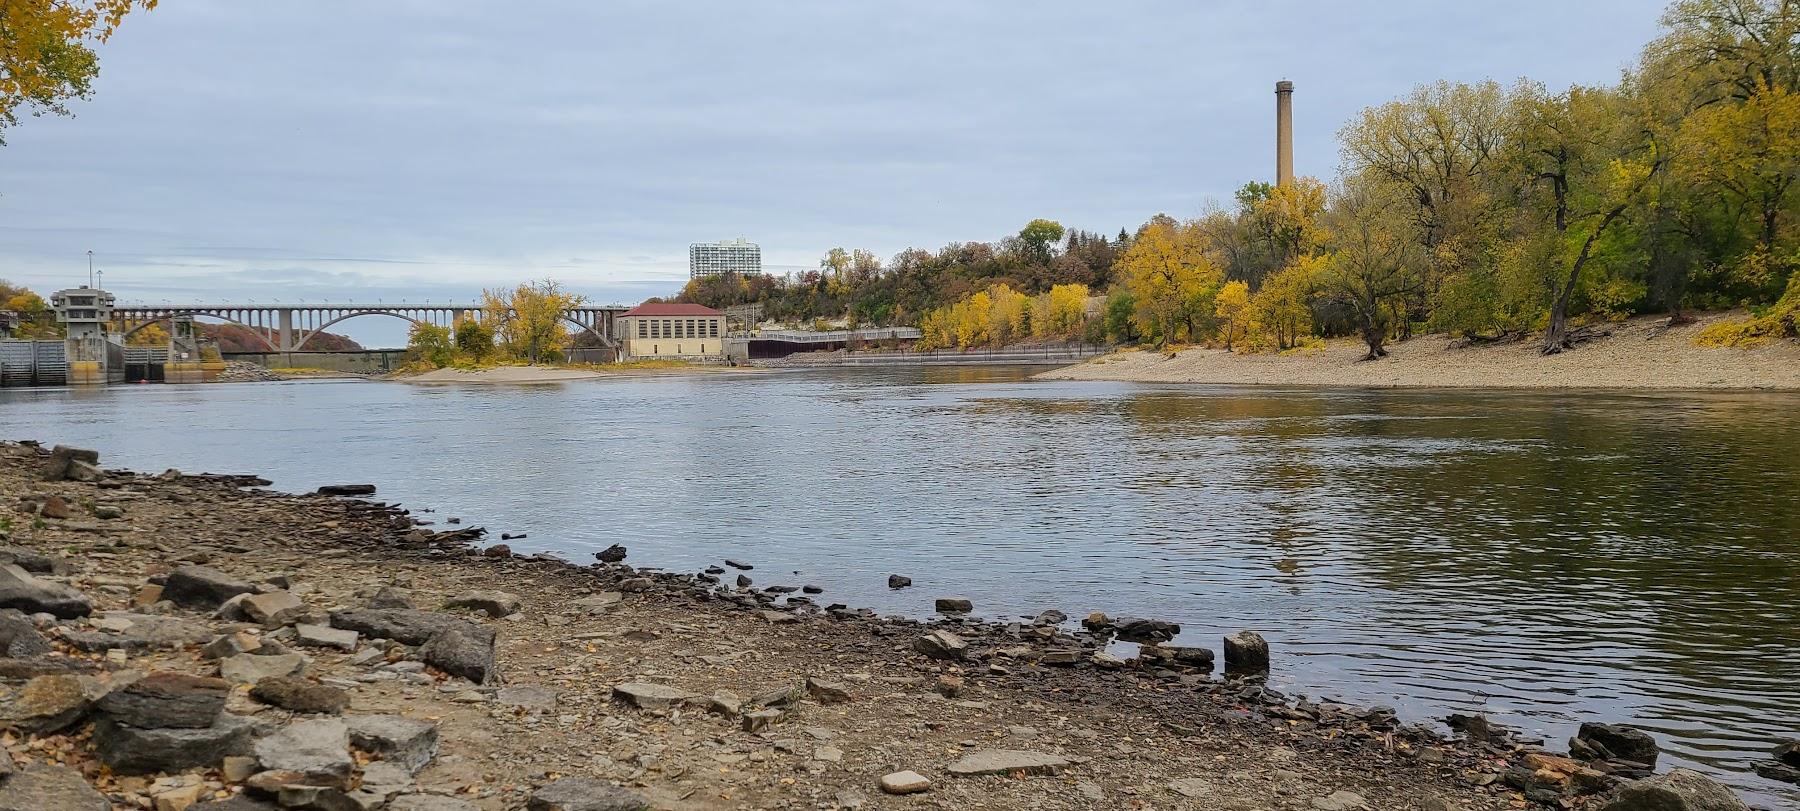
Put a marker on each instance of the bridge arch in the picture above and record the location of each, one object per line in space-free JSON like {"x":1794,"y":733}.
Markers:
{"x":346,"y":317}
{"x":164,"y":317}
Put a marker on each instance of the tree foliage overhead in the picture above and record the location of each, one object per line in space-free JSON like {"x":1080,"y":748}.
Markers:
{"x":46,"y":52}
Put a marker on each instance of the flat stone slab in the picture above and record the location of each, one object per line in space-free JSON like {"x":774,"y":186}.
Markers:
{"x":250,"y":668}
{"x":404,"y":742}
{"x":41,"y":787}
{"x":325,"y":636}
{"x":1006,"y":761}
{"x":647,"y":696}
{"x":585,"y":794}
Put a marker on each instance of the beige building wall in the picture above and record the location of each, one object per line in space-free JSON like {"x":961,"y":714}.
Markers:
{"x":673,"y":337}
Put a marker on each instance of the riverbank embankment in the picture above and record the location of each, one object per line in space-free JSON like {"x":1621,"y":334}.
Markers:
{"x":1640,"y":353}
{"x":195,"y":638}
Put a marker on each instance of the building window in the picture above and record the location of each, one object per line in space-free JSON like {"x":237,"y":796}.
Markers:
{"x":712,"y":328}
{"x":643,"y":329}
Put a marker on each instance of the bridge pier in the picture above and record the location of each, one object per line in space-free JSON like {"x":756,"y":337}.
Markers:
{"x":284,"y":336}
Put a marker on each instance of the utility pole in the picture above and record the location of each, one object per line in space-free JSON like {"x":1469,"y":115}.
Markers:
{"x":90,"y":268}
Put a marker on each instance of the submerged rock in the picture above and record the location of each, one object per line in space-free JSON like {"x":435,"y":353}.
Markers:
{"x":611,"y":554}
{"x":897,"y":581}
{"x":1615,"y":743}
{"x":1246,"y":652}
{"x":1147,"y":631}
{"x":953,"y":605}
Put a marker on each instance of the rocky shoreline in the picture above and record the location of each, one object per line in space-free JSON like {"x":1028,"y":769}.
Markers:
{"x":178,"y":642}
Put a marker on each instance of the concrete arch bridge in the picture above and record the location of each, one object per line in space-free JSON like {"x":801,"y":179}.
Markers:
{"x":288,"y":328}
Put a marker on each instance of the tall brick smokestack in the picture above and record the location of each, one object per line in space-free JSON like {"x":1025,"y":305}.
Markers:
{"x":1284,"y":133}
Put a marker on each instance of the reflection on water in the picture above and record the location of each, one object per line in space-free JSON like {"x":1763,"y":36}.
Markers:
{"x":1544,"y":558}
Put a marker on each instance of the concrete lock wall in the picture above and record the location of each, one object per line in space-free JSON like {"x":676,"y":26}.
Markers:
{"x":373,"y":361}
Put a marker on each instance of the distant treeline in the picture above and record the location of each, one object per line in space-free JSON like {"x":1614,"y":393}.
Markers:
{"x":1483,"y":210}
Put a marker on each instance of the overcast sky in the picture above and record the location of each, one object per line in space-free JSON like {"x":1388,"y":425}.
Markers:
{"x":318,"y":149}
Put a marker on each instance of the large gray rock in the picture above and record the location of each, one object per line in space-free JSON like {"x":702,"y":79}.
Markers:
{"x":18,"y":589}
{"x":45,"y":704}
{"x":273,"y":609}
{"x":492,"y":603}
{"x":32,"y":560}
{"x":429,"y":802}
{"x":317,"y":750}
{"x":139,"y":632}
{"x":1614,"y":742}
{"x":462,"y":651}
{"x":203,"y":587}
{"x":295,"y":694}
{"x":406,"y":625}
{"x":1006,"y":761}
{"x":250,"y":668}
{"x":389,"y":597}
{"x":941,"y":644}
{"x":1679,"y":790}
{"x":19,"y":638}
{"x":241,"y":802}
{"x":585,"y":794}
{"x":66,"y":462}
{"x":1246,"y":652}
{"x":648,"y":696}
{"x":130,"y":750}
{"x":167,"y":700}
{"x":404,"y":742}
{"x":325,"y":636}
{"x":42,"y":787}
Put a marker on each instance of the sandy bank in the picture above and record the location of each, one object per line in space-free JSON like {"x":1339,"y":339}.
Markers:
{"x":1638,"y":355}
{"x":502,"y":374}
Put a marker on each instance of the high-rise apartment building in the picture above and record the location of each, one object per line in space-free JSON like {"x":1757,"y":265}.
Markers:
{"x":726,"y":256}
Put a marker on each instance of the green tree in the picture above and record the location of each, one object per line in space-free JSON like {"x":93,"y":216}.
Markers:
{"x":430,"y":344}
{"x":474,"y":339}
{"x":1581,"y":160}
{"x":1377,"y":258}
{"x":1039,"y":236}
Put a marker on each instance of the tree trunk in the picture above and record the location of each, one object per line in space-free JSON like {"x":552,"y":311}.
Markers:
{"x":1374,"y":336}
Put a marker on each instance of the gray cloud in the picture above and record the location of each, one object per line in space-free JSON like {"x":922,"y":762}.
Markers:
{"x":434,"y":148}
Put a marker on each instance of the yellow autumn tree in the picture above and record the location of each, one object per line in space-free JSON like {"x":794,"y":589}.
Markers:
{"x":1230,"y":304}
{"x":527,"y":320}
{"x":1064,"y":311}
{"x":46,"y":52}
{"x":1281,"y":311}
{"x":152,"y":334}
{"x":1170,"y":277}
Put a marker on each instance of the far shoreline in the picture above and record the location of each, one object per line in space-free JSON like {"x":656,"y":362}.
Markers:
{"x":544,"y":374}
{"x":1640,"y":355}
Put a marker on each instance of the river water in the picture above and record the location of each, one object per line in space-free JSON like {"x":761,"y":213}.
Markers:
{"x":1545,"y":558}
